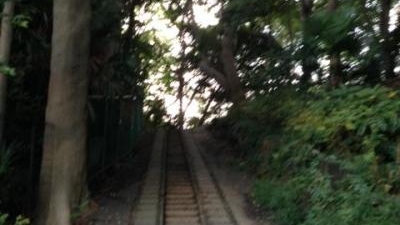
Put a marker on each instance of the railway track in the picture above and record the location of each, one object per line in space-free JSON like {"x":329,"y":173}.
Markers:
{"x":179,"y":189}
{"x":181,"y":205}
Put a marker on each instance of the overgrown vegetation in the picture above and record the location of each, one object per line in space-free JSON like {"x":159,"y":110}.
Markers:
{"x":322,"y":157}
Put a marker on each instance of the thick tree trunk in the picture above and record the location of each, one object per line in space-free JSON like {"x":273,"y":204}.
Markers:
{"x":335,"y":73}
{"x":388,"y":58}
{"x":232,"y":80}
{"x":228,"y":79}
{"x":5,"y":49}
{"x":62,"y":178}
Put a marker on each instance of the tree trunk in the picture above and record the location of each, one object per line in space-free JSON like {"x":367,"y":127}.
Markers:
{"x":306,"y":7}
{"x":181,"y":115}
{"x":234,"y":86}
{"x":181,"y":79}
{"x":335,"y":65}
{"x":228,"y":79}
{"x":388,"y":59}
{"x":5,"y":49}
{"x":335,"y":75}
{"x":63,"y":171}
{"x":127,"y":39}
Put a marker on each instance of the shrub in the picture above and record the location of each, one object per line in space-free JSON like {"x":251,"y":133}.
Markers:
{"x":335,"y":158}
{"x":314,"y":197}
{"x":349,"y":119}
{"x":284,"y":199}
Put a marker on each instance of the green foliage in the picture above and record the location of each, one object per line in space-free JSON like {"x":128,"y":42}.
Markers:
{"x":282,"y":198}
{"x":332,"y":160}
{"x":3,"y":219}
{"x":312,"y":197}
{"x":6,"y":70}
{"x":349,"y":119}
{"x":349,"y":198}
{"x":332,"y":31}
{"x":155,"y":112}
{"x":5,"y":161}
{"x":263,"y":116}
{"x":21,"y":21}
{"x":19,"y":220}
{"x":260,"y":12}
{"x":79,"y":210}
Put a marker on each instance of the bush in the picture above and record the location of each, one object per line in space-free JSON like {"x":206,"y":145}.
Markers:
{"x":313,"y":197}
{"x":349,"y":119}
{"x":248,"y":126}
{"x":284,"y":199}
{"x":334,"y":160}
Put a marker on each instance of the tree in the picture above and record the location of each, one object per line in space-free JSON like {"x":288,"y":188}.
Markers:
{"x":227,"y":77}
{"x":335,"y":62}
{"x":388,"y":59}
{"x":232,"y":80}
{"x":5,"y":49}
{"x":249,"y":54}
{"x":306,"y":9}
{"x":62,"y":178}
{"x":181,"y":80}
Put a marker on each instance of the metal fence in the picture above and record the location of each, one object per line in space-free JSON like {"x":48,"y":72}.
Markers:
{"x":114,"y":126}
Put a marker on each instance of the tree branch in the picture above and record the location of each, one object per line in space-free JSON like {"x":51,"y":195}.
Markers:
{"x":205,"y":67}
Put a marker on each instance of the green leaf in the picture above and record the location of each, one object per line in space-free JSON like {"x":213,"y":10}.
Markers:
{"x":3,"y":218}
{"x":350,"y":126}
{"x":21,"y":21}
{"x":7,"y":71}
{"x":20,"y":220}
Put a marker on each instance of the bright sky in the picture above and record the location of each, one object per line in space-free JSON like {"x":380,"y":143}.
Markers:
{"x":394,"y":16}
{"x":205,"y":15}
